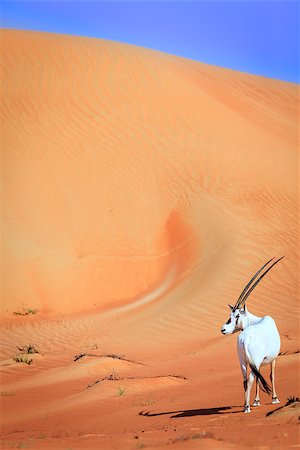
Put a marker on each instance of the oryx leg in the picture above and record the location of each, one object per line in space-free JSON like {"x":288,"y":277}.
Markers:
{"x":272,"y":378}
{"x":248,"y":391}
{"x":257,"y":399}
{"x":243,"y":365}
{"x":247,"y":385}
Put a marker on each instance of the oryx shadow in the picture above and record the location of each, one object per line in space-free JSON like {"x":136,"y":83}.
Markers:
{"x":191,"y":412}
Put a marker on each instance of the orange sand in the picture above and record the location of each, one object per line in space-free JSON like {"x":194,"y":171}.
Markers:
{"x":140,"y":193}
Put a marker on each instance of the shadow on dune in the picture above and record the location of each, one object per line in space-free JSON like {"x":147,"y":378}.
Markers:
{"x":190,"y":412}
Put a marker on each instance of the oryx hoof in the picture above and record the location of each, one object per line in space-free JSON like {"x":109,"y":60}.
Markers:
{"x":247,"y":409}
{"x":275,"y":400}
{"x":256,"y":403}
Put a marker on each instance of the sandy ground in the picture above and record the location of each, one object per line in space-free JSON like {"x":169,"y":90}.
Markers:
{"x":141,"y":191}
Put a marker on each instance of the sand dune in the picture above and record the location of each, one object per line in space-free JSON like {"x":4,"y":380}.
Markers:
{"x":140,"y":193}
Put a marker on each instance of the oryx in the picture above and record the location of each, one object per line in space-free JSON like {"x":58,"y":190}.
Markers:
{"x":258,"y":343}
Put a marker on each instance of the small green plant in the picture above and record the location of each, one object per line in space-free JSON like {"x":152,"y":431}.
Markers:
{"x":25,"y":312}
{"x":22,"y":359}
{"x":121,"y":392}
{"x":6,"y":394}
{"x":28,"y":349}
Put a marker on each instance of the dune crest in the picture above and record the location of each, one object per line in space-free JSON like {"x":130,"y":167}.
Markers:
{"x":105,"y":143}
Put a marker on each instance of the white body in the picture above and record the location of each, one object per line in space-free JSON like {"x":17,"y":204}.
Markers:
{"x":259,"y":342}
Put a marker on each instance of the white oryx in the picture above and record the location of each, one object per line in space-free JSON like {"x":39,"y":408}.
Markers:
{"x":258,"y":344}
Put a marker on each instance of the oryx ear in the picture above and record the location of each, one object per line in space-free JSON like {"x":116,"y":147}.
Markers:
{"x":244,"y":310}
{"x":231,"y":307}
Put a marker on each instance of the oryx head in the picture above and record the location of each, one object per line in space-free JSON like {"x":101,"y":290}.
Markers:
{"x":238,"y":312}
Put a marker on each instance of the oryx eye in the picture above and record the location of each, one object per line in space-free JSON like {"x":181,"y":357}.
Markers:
{"x":228,"y":321}
{"x":237,"y":317}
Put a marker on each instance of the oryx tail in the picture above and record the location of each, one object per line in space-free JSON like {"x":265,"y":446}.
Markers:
{"x":263,"y":383}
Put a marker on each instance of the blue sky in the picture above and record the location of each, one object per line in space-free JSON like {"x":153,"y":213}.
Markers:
{"x":260,"y":37}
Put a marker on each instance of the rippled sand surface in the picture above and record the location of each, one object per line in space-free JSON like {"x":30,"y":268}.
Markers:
{"x":141,"y":191}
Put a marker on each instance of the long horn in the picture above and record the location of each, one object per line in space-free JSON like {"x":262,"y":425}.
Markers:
{"x":258,"y":280}
{"x":248,"y":285}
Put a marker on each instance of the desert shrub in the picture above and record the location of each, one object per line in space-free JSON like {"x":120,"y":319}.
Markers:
{"x":22,"y":359}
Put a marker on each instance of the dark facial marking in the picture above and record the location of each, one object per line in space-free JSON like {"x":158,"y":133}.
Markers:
{"x":228,"y":321}
{"x":237,"y":319}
